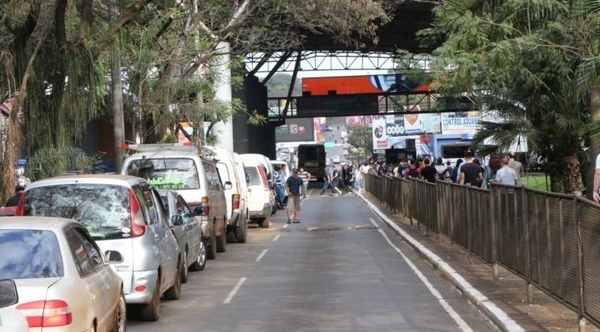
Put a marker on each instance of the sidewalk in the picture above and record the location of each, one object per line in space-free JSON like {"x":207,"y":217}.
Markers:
{"x":503,"y":301}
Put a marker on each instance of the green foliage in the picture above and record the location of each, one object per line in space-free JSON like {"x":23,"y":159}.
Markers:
{"x":360,"y":139}
{"x":49,"y":162}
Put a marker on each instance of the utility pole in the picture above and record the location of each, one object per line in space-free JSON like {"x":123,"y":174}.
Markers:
{"x":117,"y":92}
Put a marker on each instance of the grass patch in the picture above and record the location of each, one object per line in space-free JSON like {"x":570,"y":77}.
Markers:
{"x":536,"y":181}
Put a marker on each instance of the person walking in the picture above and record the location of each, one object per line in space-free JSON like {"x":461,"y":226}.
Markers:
{"x":516,"y":165}
{"x":429,"y":172}
{"x":506,"y":174}
{"x":293,"y":187}
{"x":470,"y":172}
{"x":305,"y":176}
{"x":328,"y":181}
{"x":278,"y":186}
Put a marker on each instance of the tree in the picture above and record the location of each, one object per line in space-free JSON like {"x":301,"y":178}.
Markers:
{"x":361,"y":140}
{"x":531,"y":63}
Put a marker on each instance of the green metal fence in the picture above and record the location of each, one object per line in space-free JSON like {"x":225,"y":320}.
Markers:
{"x":551,"y":240}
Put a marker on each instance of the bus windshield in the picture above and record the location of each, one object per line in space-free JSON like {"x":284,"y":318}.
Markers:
{"x":311,"y":157}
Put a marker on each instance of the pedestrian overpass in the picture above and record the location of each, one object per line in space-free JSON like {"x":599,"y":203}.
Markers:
{"x":321,"y":52}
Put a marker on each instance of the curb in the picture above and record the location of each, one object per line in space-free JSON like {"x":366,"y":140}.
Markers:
{"x":487,"y":307}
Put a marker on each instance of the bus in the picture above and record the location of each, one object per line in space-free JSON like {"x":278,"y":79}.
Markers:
{"x":311,"y":157}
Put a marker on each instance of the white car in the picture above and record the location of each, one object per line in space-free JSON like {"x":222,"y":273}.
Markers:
{"x":260,"y":197}
{"x":62,"y":279}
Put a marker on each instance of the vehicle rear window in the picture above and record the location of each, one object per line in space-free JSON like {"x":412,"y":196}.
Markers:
{"x":33,"y":254}
{"x":252,"y":176}
{"x":102,"y":209}
{"x":166,"y":173}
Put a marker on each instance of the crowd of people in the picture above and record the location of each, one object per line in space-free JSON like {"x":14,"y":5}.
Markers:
{"x":503,"y":169}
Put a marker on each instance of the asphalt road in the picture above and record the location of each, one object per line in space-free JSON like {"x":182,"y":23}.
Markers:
{"x":340,"y":269}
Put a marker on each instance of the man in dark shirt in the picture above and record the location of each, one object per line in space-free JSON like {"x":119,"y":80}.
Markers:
{"x":470,"y":173}
{"x":293,"y":187}
{"x":429,"y":172}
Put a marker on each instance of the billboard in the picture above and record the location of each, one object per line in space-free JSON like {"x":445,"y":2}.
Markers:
{"x":365,"y":84}
{"x":389,"y":133}
{"x":295,"y":130}
{"x":460,"y":122}
{"x":337,"y":105}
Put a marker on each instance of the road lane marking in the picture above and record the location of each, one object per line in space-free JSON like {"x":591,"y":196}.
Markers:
{"x":234,"y":290}
{"x":374,"y":223}
{"x":461,"y":323}
{"x":276,"y":238}
{"x":285,"y":226}
{"x":312,"y":229}
{"x":262,"y":254}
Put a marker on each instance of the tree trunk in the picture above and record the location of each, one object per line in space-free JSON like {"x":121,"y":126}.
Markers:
{"x":595,"y":139}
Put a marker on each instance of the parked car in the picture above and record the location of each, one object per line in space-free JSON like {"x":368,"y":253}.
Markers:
{"x":236,"y":193}
{"x":260,"y":200}
{"x":122,"y":213}
{"x":10,"y":318}
{"x":62,"y":279}
{"x":187,"y":232}
{"x":268,"y":169}
{"x":194,"y":176}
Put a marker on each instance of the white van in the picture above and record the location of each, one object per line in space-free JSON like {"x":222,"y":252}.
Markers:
{"x":268,"y":168}
{"x":194,"y":176}
{"x":231,"y":170}
{"x":260,"y":197}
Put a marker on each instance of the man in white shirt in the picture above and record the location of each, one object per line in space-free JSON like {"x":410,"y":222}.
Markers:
{"x":506,"y":175}
{"x":596,"y":187}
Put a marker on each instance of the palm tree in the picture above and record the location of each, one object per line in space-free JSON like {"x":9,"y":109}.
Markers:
{"x":534,"y":64}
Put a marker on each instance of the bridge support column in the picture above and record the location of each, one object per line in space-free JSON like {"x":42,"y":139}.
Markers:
{"x":223,"y":130}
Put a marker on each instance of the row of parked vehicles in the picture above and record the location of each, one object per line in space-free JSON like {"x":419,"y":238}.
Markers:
{"x":89,"y":247}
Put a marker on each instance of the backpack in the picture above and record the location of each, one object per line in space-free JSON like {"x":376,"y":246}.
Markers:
{"x":413,"y":173}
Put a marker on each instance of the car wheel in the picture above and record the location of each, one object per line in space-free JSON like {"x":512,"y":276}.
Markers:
{"x":121,"y":315}
{"x":200,"y":262}
{"x":151,"y":311}
{"x":231,"y":238}
{"x":265,"y":223}
{"x":174,"y":293}
{"x":211,"y":248}
{"x":184,"y":268}
{"x":222,"y":240}
{"x":241,"y":231}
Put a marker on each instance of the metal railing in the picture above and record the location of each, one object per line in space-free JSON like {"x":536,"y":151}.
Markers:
{"x":551,"y":240}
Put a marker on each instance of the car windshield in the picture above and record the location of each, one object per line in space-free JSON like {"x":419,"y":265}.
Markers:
{"x":166,"y":173}
{"x":252,"y":176}
{"x":102,"y":209}
{"x":33,"y":254}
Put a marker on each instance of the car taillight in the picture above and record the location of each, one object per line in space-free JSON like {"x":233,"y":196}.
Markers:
{"x":137,"y":228}
{"x":21,"y":207}
{"x":236,"y":201}
{"x":205,"y":205}
{"x":46,"y":313}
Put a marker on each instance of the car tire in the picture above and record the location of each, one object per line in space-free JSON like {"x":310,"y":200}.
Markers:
{"x":265,"y":223}
{"x":151,"y":311}
{"x":174,"y":293}
{"x":241,"y":232}
{"x":200,"y":261}
{"x":222,"y":240}
{"x":121,"y":315}
{"x":184,"y":268}
{"x":211,"y":247}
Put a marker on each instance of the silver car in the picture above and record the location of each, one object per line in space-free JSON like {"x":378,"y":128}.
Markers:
{"x":187,"y":231}
{"x":10,"y":318}
{"x":62,"y":279}
{"x":122,"y":213}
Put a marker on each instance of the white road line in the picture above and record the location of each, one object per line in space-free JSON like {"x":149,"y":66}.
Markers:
{"x":461,"y":323}
{"x":262,"y":254}
{"x":312,"y":229}
{"x":234,"y":290}
{"x":374,"y":223}
{"x":285,"y":226}
{"x":276,"y":238}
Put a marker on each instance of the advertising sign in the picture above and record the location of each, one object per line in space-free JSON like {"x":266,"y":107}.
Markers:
{"x":460,"y":122}
{"x":295,"y":130}
{"x":426,"y":123}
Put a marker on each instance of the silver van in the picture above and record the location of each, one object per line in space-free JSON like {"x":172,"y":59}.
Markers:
{"x":124,"y":214}
{"x":194,"y":176}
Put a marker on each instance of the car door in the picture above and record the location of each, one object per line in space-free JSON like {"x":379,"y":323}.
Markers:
{"x":168,"y":243}
{"x":93,"y":276}
{"x":173,"y":213}
{"x":193,"y":231}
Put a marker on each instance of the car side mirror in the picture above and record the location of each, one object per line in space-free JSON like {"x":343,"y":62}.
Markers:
{"x":227,"y":185}
{"x":176,"y":220}
{"x":8,"y":293}
{"x":198,"y":211}
{"x":113,"y":256}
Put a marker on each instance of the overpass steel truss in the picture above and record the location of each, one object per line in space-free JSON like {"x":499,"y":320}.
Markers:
{"x":285,"y":62}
